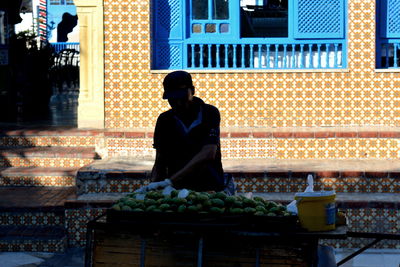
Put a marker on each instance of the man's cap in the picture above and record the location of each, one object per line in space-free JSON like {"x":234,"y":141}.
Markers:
{"x":173,"y":83}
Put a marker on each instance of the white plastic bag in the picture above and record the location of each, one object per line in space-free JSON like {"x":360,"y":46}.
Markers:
{"x":167,"y":190}
{"x":310,"y":184}
{"x":140,"y":196}
{"x":292,"y":206}
{"x":183,"y":193}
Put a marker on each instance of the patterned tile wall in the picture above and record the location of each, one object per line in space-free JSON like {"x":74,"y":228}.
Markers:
{"x":281,"y":183}
{"x":37,"y":180}
{"x":359,"y":96}
{"x":34,"y":245}
{"x":44,"y":162}
{"x":32,"y":218}
{"x":370,"y":220}
{"x":76,"y":224}
{"x":47,"y":141}
{"x":110,"y":185}
{"x":261,"y":182}
{"x":275,"y":148}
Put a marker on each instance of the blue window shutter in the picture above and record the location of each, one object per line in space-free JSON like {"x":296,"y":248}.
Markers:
{"x":168,"y":34}
{"x":317,"y":19}
{"x":168,"y":55}
{"x":391,"y":16}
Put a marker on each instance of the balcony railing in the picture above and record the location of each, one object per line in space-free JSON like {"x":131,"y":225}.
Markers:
{"x":388,"y":54}
{"x":62,"y":46}
{"x":318,"y":55}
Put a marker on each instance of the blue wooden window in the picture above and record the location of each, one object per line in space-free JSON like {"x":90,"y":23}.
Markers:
{"x":388,"y":34}
{"x":317,"y":19}
{"x":249,"y":34}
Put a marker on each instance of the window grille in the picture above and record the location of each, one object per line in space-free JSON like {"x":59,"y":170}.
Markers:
{"x":54,"y":2}
{"x":249,"y":34}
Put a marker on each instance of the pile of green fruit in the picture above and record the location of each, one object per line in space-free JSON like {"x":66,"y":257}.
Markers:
{"x":200,"y":202}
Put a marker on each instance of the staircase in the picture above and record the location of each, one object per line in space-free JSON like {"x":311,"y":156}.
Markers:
{"x":360,"y":165}
{"x":37,"y":176}
{"x":51,"y":185}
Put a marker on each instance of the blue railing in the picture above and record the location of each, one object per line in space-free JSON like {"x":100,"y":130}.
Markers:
{"x":388,"y":54}
{"x":61,"y":46}
{"x":299,"y":55}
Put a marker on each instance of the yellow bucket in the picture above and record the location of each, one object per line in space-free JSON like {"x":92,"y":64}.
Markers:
{"x":317,"y":210}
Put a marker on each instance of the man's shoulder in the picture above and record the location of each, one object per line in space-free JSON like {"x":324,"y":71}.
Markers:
{"x":206,"y":107}
{"x":211,"y":109}
{"x":165,"y":115}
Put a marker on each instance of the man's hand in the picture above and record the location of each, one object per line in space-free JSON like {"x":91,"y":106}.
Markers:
{"x":159,"y":185}
{"x":155,"y":186}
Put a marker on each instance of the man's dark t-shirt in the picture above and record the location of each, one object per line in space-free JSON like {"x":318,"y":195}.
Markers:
{"x":178,"y":143}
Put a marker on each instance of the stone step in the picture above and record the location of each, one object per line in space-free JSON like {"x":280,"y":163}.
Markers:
{"x":37,"y":176}
{"x":275,"y":143}
{"x":38,"y":198}
{"x":33,"y":141}
{"x":285,"y":176}
{"x":274,"y":148}
{"x":46,"y":156}
{"x":47,"y":136}
{"x":33,"y":218}
{"x":32,"y":238}
{"x":56,"y":140}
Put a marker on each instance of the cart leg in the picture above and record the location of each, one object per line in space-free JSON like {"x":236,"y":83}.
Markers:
{"x":142,"y":252}
{"x":358,"y":252}
{"x":89,"y":246}
{"x":258,"y":257}
{"x":200,"y":253}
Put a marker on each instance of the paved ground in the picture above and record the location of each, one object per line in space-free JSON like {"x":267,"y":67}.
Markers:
{"x":75,"y":258}
{"x":71,"y":258}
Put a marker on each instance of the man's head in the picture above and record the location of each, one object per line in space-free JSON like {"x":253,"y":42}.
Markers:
{"x":178,"y":89}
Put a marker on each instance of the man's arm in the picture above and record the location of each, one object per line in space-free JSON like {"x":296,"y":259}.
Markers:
{"x":159,"y":171}
{"x":207,"y":153}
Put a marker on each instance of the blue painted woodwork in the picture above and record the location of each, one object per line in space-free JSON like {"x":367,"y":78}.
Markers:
{"x":390,"y":18}
{"x":168,"y":33}
{"x":316,"y":38}
{"x":388,"y":34}
{"x":61,"y":46}
{"x":263,"y":55}
{"x":232,"y":22}
{"x":317,"y":19}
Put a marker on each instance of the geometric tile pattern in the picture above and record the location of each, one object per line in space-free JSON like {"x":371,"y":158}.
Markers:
{"x":275,"y":148}
{"x":280,"y":183}
{"x":76,"y":141}
{"x":76,"y":224}
{"x":34,"y":245}
{"x":136,"y":147}
{"x":358,"y":96}
{"x":32,"y":218}
{"x":44,"y":162}
{"x":262,"y":183}
{"x":37,"y":180}
{"x":371,"y":220}
{"x":337,"y":148}
{"x":111,"y":186}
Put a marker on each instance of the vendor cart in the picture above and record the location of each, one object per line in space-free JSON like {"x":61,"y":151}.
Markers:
{"x":171,"y":240}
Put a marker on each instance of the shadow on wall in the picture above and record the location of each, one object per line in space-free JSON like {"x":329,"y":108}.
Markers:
{"x":15,"y":152}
